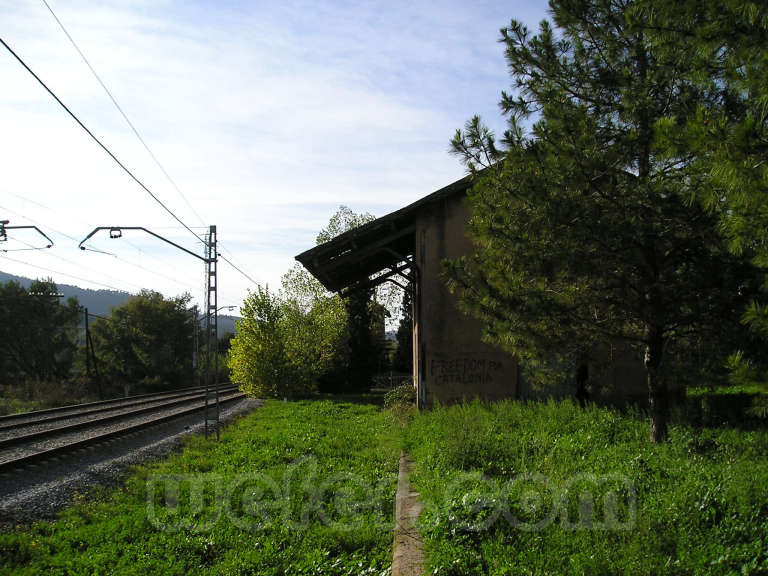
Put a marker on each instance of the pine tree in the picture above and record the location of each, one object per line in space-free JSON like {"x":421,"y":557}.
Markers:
{"x":727,"y":42}
{"x":585,"y":232}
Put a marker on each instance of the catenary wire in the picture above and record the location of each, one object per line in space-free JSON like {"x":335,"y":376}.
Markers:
{"x":70,"y":262}
{"x":114,"y":158}
{"x":137,"y":134}
{"x":49,"y":209}
{"x":108,"y":286}
{"x":238,"y":269}
{"x":95,"y":139}
{"x":120,"y":258}
{"x":37,"y":223}
{"x":122,"y":112}
{"x":144,"y":253}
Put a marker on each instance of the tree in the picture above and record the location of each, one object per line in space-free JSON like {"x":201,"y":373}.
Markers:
{"x":319,"y":328}
{"x":584,"y":230}
{"x":286,"y":341}
{"x":147,"y":342}
{"x":303,"y":338}
{"x":365,"y":311}
{"x":403,"y":359}
{"x":257,"y":356}
{"x":361,"y":354}
{"x":343,"y":220}
{"x":727,"y":46}
{"x":363,"y":350}
{"x":38,"y":334}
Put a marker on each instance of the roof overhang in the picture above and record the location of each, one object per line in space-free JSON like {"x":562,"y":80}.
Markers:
{"x":377,"y":251}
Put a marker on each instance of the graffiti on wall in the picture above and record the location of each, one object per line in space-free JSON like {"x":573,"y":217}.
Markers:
{"x":465,"y":370}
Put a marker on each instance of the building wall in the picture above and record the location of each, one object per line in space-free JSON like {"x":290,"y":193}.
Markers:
{"x":452,"y":361}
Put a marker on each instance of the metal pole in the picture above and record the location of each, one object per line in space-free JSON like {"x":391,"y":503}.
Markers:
{"x":207,"y":328}
{"x":195,"y":344}
{"x":90,"y":357}
{"x":95,"y":367}
{"x":87,"y":354}
{"x":211,"y":314}
{"x":211,"y":326}
{"x":213,"y":307}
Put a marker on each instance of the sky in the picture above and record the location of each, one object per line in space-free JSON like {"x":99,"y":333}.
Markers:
{"x":267,"y":116}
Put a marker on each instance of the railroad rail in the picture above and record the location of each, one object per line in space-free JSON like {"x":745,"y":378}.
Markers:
{"x":22,"y":449}
{"x":122,"y":415}
{"x":100,"y":403}
{"x":43,"y":417}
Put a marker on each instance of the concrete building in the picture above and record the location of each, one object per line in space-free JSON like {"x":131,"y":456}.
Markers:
{"x":451,"y":362}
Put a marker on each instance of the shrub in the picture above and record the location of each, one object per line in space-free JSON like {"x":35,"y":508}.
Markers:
{"x":401,"y":397}
{"x":282,"y":347}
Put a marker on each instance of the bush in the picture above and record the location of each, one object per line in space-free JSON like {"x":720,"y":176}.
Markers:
{"x":282,"y":347}
{"x":34,"y":394}
{"x":401,"y":397}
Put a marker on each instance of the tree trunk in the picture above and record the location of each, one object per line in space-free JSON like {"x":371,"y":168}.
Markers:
{"x":657,"y":387}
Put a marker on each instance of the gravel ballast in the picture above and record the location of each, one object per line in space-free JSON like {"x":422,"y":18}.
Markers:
{"x":86,"y":430}
{"x":40,"y":491}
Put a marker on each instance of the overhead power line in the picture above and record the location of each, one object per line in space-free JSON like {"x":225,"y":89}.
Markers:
{"x":27,"y":244}
{"x":111,"y":155}
{"x":101,"y":273}
{"x":136,"y":132}
{"x":95,"y":139}
{"x":4,"y":227}
{"x":37,"y":222}
{"x":122,"y":113}
{"x":29,"y":247}
{"x":236,"y":268}
{"x":120,"y":258}
{"x":63,"y":273}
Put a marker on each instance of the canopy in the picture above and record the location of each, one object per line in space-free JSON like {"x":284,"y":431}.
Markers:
{"x":373,"y":253}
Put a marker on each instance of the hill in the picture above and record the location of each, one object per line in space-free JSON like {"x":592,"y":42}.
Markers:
{"x":97,"y":301}
{"x":100,"y":302}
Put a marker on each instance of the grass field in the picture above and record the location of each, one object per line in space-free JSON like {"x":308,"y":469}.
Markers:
{"x":507,"y":488}
{"x":513,"y":488}
{"x":296,"y":488}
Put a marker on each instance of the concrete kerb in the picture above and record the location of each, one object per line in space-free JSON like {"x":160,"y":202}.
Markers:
{"x":407,"y":549}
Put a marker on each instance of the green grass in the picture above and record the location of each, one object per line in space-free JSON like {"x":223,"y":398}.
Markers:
{"x":16,"y":406}
{"x":701,"y":499}
{"x":305,"y":488}
{"x":751,"y":389}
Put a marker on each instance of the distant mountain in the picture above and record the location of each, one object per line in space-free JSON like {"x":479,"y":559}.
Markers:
{"x":227,"y":324}
{"x":97,"y":301}
{"x":100,"y":302}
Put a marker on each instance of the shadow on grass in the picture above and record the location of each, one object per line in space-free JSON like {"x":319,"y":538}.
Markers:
{"x":374,"y":397}
{"x":743,"y":411}
{"x":740,"y":411}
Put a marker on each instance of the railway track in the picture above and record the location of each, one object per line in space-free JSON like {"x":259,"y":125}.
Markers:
{"x":43,"y":419}
{"x":34,"y":437}
{"x":64,"y":411}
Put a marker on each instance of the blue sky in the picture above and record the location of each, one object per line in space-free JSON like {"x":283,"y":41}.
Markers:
{"x":268,"y":115}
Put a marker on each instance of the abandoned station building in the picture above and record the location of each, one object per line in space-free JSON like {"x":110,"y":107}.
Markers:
{"x":450,"y":361}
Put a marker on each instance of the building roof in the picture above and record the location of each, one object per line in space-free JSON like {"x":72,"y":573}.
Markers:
{"x":350,"y":259}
